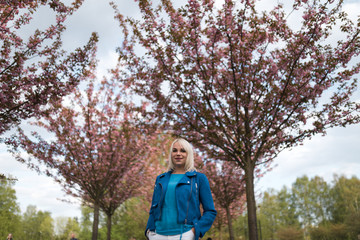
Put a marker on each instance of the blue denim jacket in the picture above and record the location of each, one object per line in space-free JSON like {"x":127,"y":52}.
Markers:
{"x":191,"y":190}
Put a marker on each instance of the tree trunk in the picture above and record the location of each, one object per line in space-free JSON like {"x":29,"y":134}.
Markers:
{"x":108,"y":225}
{"x":231,"y":231}
{"x":250,"y":200}
{"x":96,"y":222}
{"x":220,"y":232}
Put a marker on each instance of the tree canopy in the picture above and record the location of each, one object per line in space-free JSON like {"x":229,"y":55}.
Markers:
{"x":243,"y":84}
{"x":35,"y":71}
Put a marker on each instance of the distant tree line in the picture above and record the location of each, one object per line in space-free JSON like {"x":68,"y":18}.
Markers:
{"x":310,"y":209}
{"x":34,"y":224}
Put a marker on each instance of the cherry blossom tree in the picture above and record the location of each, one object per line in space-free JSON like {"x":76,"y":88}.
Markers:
{"x":240,"y":84}
{"x":98,"y":149}
{"x":122,"y":188}
{"x":128,"y":184}
{"x":228,"y":187}
{"x":157,"y":163}
{"x":35,"y":71}
{"x":220,"y":221}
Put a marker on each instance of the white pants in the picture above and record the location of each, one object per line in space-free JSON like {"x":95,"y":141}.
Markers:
{"x":189,"y":235}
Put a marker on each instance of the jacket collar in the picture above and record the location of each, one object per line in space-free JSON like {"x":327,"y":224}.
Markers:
{"x":191,"y":173}
{"x":188,"y":174}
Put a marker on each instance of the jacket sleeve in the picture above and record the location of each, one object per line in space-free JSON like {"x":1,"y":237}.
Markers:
{"x":206,"y":200}
{"x":151,"y":221}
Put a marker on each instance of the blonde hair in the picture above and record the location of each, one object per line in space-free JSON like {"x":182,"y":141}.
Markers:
{"x":189,"y":164}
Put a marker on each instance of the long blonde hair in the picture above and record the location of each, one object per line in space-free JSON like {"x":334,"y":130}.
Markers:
{"x":189,"y":164}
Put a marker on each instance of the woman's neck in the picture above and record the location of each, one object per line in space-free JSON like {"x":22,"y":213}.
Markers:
{"x":178,"y":171}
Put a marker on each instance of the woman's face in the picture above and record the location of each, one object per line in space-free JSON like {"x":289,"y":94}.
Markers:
{"x":178,"y":156}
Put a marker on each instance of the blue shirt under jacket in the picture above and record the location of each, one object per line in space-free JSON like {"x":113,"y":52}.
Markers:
{"x":168,"y":224}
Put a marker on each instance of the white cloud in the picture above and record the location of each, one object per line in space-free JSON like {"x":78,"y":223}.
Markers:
{"x":335,"y":153}
{"x":352,"y":9}
{"x":106,"y":62}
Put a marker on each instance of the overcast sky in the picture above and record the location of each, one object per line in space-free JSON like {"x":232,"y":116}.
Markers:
{"x":335,"y":153}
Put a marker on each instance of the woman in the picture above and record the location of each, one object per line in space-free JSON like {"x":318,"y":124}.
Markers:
{"x":73,"y":236}
{"x":178,"y":193}
{"x":9,"y":237}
